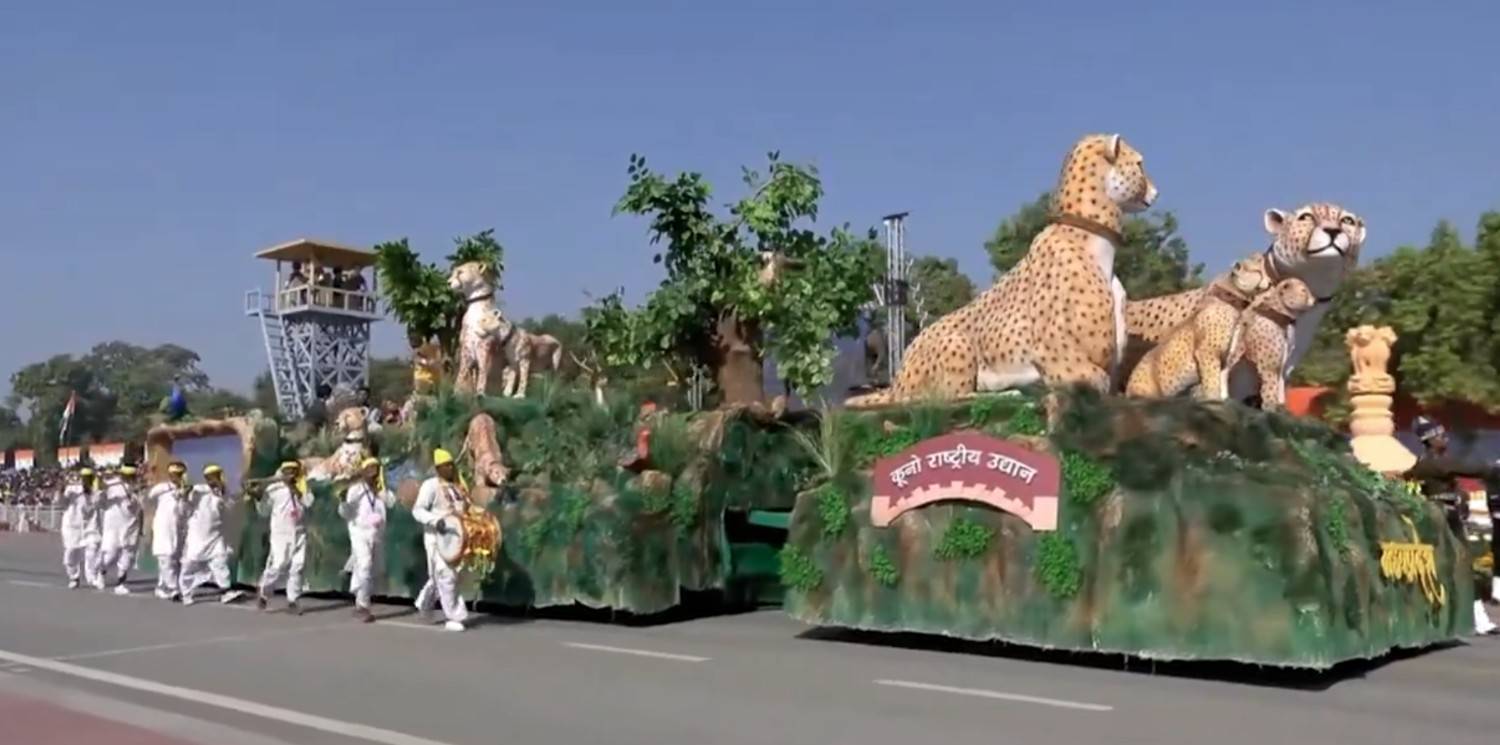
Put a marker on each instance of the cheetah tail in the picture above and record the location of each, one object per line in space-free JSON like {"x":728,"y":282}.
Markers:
{"x":870,"y":400}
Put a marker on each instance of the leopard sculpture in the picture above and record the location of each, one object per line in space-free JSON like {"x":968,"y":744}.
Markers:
{"x":1057,"y":317}
{"x":1318,"y":243}
{"x":1263,"y":337}
{"x":1193,"y":353}
{"x":485,"y":332}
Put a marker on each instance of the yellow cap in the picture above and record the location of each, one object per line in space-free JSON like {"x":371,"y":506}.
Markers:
{"x":367,"y":462}
{"x":177,"y":469}
{"x":211,"y":469}
{"x":85,"y":472}
{"x":291,"y":465}
{"x":441,"y":457}
{"x":127,"y":470}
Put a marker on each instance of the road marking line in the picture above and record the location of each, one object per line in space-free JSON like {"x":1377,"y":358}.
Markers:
{"x":200,"y":642}
{"x":264,"y":711}
{"x":27,"y":583}
{"x":982,"y":693}
{"x":637,"y":652}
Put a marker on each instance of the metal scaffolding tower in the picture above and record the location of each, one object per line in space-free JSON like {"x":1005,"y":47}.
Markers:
{"x":895,"y":291}
{"x":315,"y":333}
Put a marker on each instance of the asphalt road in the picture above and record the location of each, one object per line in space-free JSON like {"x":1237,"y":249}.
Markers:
{"x":78,"y":666}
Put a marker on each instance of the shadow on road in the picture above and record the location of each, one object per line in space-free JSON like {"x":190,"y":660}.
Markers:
{"x":1230,"y":672}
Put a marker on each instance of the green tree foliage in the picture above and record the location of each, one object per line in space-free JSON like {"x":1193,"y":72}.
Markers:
{"x":417,"y":294}
{"x":120,"y":386}
{"x":1153,"y":261}
{"x":12,"y":430}
{"x":939,"y":286}
{"x":1442,"y":299}
{"x":713,"y":308}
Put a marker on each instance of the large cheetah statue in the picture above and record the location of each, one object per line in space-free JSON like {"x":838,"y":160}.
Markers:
{"x":1264,"y":337}
{"x":1318,"y":243}
{"x":1057,"y":317}
{"x":485,"y":332}
{"x":1194,"y":352}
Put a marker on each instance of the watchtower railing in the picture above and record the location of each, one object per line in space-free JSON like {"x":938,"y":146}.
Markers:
{"x":327,"y":300}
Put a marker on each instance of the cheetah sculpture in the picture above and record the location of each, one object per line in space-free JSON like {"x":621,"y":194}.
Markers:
{"x":1318,"y":243}
{"x":485,"y":332}
{"x":1194,"y":352}
{"x":1057,"y":317}
{"x":1263,"y":337}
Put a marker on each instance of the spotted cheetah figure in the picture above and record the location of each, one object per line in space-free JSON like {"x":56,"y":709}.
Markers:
{"x":1194,"y":352}
{"x":1264,"y":337}
{"x":1058,"y":316}
{"x":1318,"y":243}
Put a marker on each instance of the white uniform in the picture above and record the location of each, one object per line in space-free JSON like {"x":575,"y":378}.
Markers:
{"x":121,"y":531}
{"x":80,"y":531}
{"x":364,"y":510}
{"x":288,"y":511}
{"x":435,"y":500}
{"x":166,"y":535}
{"x":205,"y":552}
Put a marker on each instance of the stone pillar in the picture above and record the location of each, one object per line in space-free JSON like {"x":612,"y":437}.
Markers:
{"x":1371,"y":390}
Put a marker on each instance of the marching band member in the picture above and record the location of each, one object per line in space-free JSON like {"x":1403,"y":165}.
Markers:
{"x":80,"y":527}
{"x":205,"y":551}
{"x":438,"y":498}
{"x":169,"y":497}
{"x":286,"y":502}
{"x":121,"y":529}
{"x":364,"y":509}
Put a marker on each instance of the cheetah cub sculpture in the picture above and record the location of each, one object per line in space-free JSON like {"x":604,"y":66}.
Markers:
{"x":1194,"y":352}
{"x":1265,"y":335}
{"x":1057,"y":317}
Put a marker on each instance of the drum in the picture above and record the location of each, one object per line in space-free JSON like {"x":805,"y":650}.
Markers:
{"x":474,"y":534}
{"x":450,"y":542}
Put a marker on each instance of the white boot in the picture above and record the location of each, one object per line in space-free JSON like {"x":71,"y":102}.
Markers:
{"x":122,"y":590}
{"x":231,"y":596}
{"x":1482,"y":622}
{"x":453,"y":626}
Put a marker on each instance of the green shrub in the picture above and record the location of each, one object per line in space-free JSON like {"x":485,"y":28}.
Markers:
{"x":963,"y":539}
{"x":1057,"y":566}
{"x":882,"y":568}
{"x":1084,"y":480}
{"x":684,"y":505}
{"x":798,"y":572}
{"x":833,"y":509}
{"x":1336,"y":524}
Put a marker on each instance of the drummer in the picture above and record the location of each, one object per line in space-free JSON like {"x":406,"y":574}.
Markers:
{"x":440,"y":498}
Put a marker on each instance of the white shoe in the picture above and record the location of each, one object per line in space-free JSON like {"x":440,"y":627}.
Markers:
{"x":72,"y":584}
{"x":1482,"y":622}
{"x":231,"y":596}
{"x":187,"y":600}
{"x":453,"y":626}
{"x":122,"y":590}
{"x":163,"y":594}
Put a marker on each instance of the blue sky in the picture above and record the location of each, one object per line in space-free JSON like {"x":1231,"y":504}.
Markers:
{"x":148,"y":149}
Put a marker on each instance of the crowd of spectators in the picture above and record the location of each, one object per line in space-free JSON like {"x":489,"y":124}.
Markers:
{"x":31,"y":486}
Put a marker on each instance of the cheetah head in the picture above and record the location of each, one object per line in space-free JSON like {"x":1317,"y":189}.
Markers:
{"x":1107,"y":166}
{"x":1295,"y":296}
{"x":1318,"y":243}
{"x":472,"y":278}
{"x":1249,"y":275}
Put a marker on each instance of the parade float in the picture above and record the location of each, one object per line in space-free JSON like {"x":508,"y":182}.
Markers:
{"x":1056,"y":514}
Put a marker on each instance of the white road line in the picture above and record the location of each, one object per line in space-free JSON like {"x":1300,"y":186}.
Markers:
{"x":982,"y":693}
{"x":636,"y":652}
{"x":264,"y":711}
{"x":200,"y":642}
{"x":26,"y":583}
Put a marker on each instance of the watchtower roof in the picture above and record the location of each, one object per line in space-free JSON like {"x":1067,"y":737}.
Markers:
{"x":323,"y":253}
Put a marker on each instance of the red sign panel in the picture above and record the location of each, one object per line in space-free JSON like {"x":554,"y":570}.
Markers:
{"x":971,"y":466}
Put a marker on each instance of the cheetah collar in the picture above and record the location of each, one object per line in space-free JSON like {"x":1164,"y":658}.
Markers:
{"x":1090,"y":226}
{"x":1229,"y":295}
{"x":1275,"y":276}
{"x":1275,"y":316}
{"x":477,"y":298}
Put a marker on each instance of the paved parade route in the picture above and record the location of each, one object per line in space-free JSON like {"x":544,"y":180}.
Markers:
{"x":80,"y":666}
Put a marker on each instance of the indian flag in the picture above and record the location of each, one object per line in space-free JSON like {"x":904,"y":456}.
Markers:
{"x":67,"y":417}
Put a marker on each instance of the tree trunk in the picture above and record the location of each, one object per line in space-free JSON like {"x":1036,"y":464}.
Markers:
{"x":737,"y":364}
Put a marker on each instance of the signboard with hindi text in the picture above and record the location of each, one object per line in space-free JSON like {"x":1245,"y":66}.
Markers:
{"x":969,"y":466}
